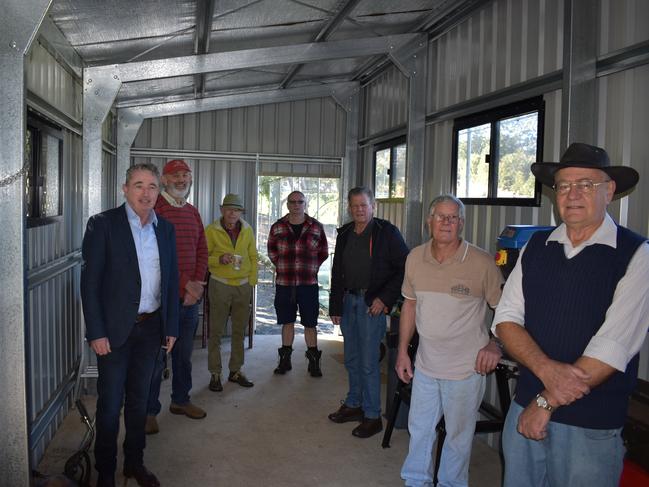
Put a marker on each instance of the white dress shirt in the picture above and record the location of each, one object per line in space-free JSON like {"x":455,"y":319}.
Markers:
{"x":625,"y":327}
{"x":148,"y":259}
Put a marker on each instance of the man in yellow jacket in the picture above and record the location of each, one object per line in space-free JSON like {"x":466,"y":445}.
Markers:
{"x":232,"y":263}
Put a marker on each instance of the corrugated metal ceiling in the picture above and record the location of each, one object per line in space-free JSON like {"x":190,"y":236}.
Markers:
{"x":121,"y":31}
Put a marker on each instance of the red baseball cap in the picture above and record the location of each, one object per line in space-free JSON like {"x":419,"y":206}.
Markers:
{"x":175,"y":165}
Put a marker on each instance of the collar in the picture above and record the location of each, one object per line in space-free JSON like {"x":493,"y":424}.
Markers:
{"x":133,"y":217}
{"x":172,"y":201}
{"x":606,"y":234}
{"x":459,"y":255}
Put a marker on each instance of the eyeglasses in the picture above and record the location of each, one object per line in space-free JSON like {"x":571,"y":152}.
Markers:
{"x":452,"y":219}
{"x":296,"y":202}
{"x":585,"y":186}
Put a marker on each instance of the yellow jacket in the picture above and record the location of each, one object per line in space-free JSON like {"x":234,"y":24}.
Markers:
{"x":219,"y":243}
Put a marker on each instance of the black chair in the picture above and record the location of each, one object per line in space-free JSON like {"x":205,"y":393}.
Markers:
{"x":402,"y":393}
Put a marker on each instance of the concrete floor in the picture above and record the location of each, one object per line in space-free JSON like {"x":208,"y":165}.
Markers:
{"x":275,"y":434}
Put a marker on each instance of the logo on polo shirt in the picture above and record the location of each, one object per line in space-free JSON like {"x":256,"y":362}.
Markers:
{"x":461,"y":289}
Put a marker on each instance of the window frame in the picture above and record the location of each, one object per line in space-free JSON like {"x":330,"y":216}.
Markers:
{"x":33,"y":198}
{"x":492,"y":116}
{"x":391,"y":144}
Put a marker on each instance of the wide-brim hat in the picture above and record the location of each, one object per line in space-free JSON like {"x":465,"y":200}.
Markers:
{"x":174,"y":166}
{"x":590,"y":157}
{"x":232,"y":201}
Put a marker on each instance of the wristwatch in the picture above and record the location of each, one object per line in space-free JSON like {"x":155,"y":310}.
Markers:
{"x":542,"y":402}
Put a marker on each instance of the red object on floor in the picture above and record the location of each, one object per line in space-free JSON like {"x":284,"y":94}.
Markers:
{"x":634,"y":476}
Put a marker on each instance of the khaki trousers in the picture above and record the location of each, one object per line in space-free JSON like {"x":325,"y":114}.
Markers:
{"x":227,"y":301}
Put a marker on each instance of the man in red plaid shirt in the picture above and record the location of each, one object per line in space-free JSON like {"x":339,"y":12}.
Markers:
{"x":297,"y":245}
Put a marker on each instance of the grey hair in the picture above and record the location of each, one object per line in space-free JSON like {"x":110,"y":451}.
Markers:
{"x":143,"y":166}
{"x":447,"y":198}
{"x":359,"y":190}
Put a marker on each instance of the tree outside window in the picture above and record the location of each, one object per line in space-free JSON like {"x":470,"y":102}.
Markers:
{"x":493,"y":152}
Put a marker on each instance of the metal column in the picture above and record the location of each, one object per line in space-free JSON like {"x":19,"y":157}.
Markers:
{"x":99,"y":92}
{"x":349,"y":172}
{"x":128,"y":125}
{"x":579,"y":93}
{"x":412,"y":59}
{"x":18,"y":26}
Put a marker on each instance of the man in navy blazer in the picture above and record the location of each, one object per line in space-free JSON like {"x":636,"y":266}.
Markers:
{"x":129,"y":290}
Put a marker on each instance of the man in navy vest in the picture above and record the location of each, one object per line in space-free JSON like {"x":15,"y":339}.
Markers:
{"x":573,"y":314}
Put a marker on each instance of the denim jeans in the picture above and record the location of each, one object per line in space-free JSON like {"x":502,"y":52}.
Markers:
{"x":125,"y":379}
{"x":363,"y":334}
{"x":458,"y":401}
{"x":181,"y":363}
{"x":568,"y":456}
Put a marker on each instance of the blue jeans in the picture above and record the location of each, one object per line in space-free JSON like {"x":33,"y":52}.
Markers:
{"x":181,"y":363}
{"x":363,"y":334}
{"x":125,"y":378}
{"x":458,"y":401}
{"x":568,"y":456}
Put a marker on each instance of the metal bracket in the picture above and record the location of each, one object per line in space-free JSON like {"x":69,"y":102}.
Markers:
{"x":405,"y":56}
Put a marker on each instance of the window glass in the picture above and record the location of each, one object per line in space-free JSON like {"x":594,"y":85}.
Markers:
{"x":399,"y":178}
{"x":517,"y":151}
{"x":382,"y":174}
{"x":472,"y":169}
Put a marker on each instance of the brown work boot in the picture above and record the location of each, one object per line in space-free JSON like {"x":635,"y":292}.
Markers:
{"x":151,"y":426}
{"x":215,"y":383}
{"x":369,"y":427}
{"x":344,"y":414}
{"x":240,"y":379}
{"x":190,"y":410}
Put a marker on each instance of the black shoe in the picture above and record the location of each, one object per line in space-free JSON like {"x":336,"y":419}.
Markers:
{"x":215,"y":383}
{"x":240,"y":379}
{"x":344,"y":414}
{"x":369,"y":427}
{"x":142,"y":475}
{"x":314,"y":362}
{"x":284,"y":364}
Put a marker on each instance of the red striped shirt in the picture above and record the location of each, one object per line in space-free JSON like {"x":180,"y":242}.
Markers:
{"x":190,"y":240}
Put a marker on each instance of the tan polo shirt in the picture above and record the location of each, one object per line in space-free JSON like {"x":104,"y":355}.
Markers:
{"x":452,"y":313}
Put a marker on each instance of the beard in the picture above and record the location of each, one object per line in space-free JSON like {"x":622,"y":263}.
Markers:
{"x":178,"y":194}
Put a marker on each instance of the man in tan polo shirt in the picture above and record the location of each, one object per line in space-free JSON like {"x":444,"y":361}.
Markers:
{"x":448,"y":287}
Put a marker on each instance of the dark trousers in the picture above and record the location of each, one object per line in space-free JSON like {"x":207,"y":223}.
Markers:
{"x":181,"y":361}
{"x":125,"y":378}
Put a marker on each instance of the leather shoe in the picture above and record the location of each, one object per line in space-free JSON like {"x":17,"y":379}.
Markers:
{"x":142,"y":475}
{"x":106,"y":480}
{"x":215,"y":383}
{"x":240,"y":379}
{"x":344,"y":414}
{"x":190,"y":410}
{"x":151,"y":425}
{"x":369,"y":427}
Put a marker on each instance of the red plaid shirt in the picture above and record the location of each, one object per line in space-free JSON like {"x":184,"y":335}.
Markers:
{"x":297,"y":258}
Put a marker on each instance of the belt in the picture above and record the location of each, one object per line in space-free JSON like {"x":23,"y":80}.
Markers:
{"x":357,"y":291}
{"x":145,"y":316}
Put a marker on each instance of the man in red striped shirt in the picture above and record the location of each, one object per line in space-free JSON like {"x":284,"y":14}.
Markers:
{"x":297,"y":245}
{"x":192,"y":268}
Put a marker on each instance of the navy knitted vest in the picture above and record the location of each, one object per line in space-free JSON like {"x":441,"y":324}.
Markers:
{"x":565,"y":304}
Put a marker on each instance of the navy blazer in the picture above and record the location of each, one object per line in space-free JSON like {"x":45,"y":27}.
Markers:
{"x":110,"y":277}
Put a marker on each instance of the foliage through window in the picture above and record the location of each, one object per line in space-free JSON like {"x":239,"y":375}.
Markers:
{"x":493,"y":152}
{"x":44,"y":154}
{"x":390,"y":169}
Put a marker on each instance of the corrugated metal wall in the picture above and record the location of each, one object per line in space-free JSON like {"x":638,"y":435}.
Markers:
{"x":300,"y":128}
{"x":53,"y":257}
{"x":505,"y":43}
{"x":385,"y":102}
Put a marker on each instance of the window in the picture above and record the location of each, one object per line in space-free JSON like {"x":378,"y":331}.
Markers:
{"x":493,"y":152}
{"x":390,"y":169}
{"x":44,"y":153}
